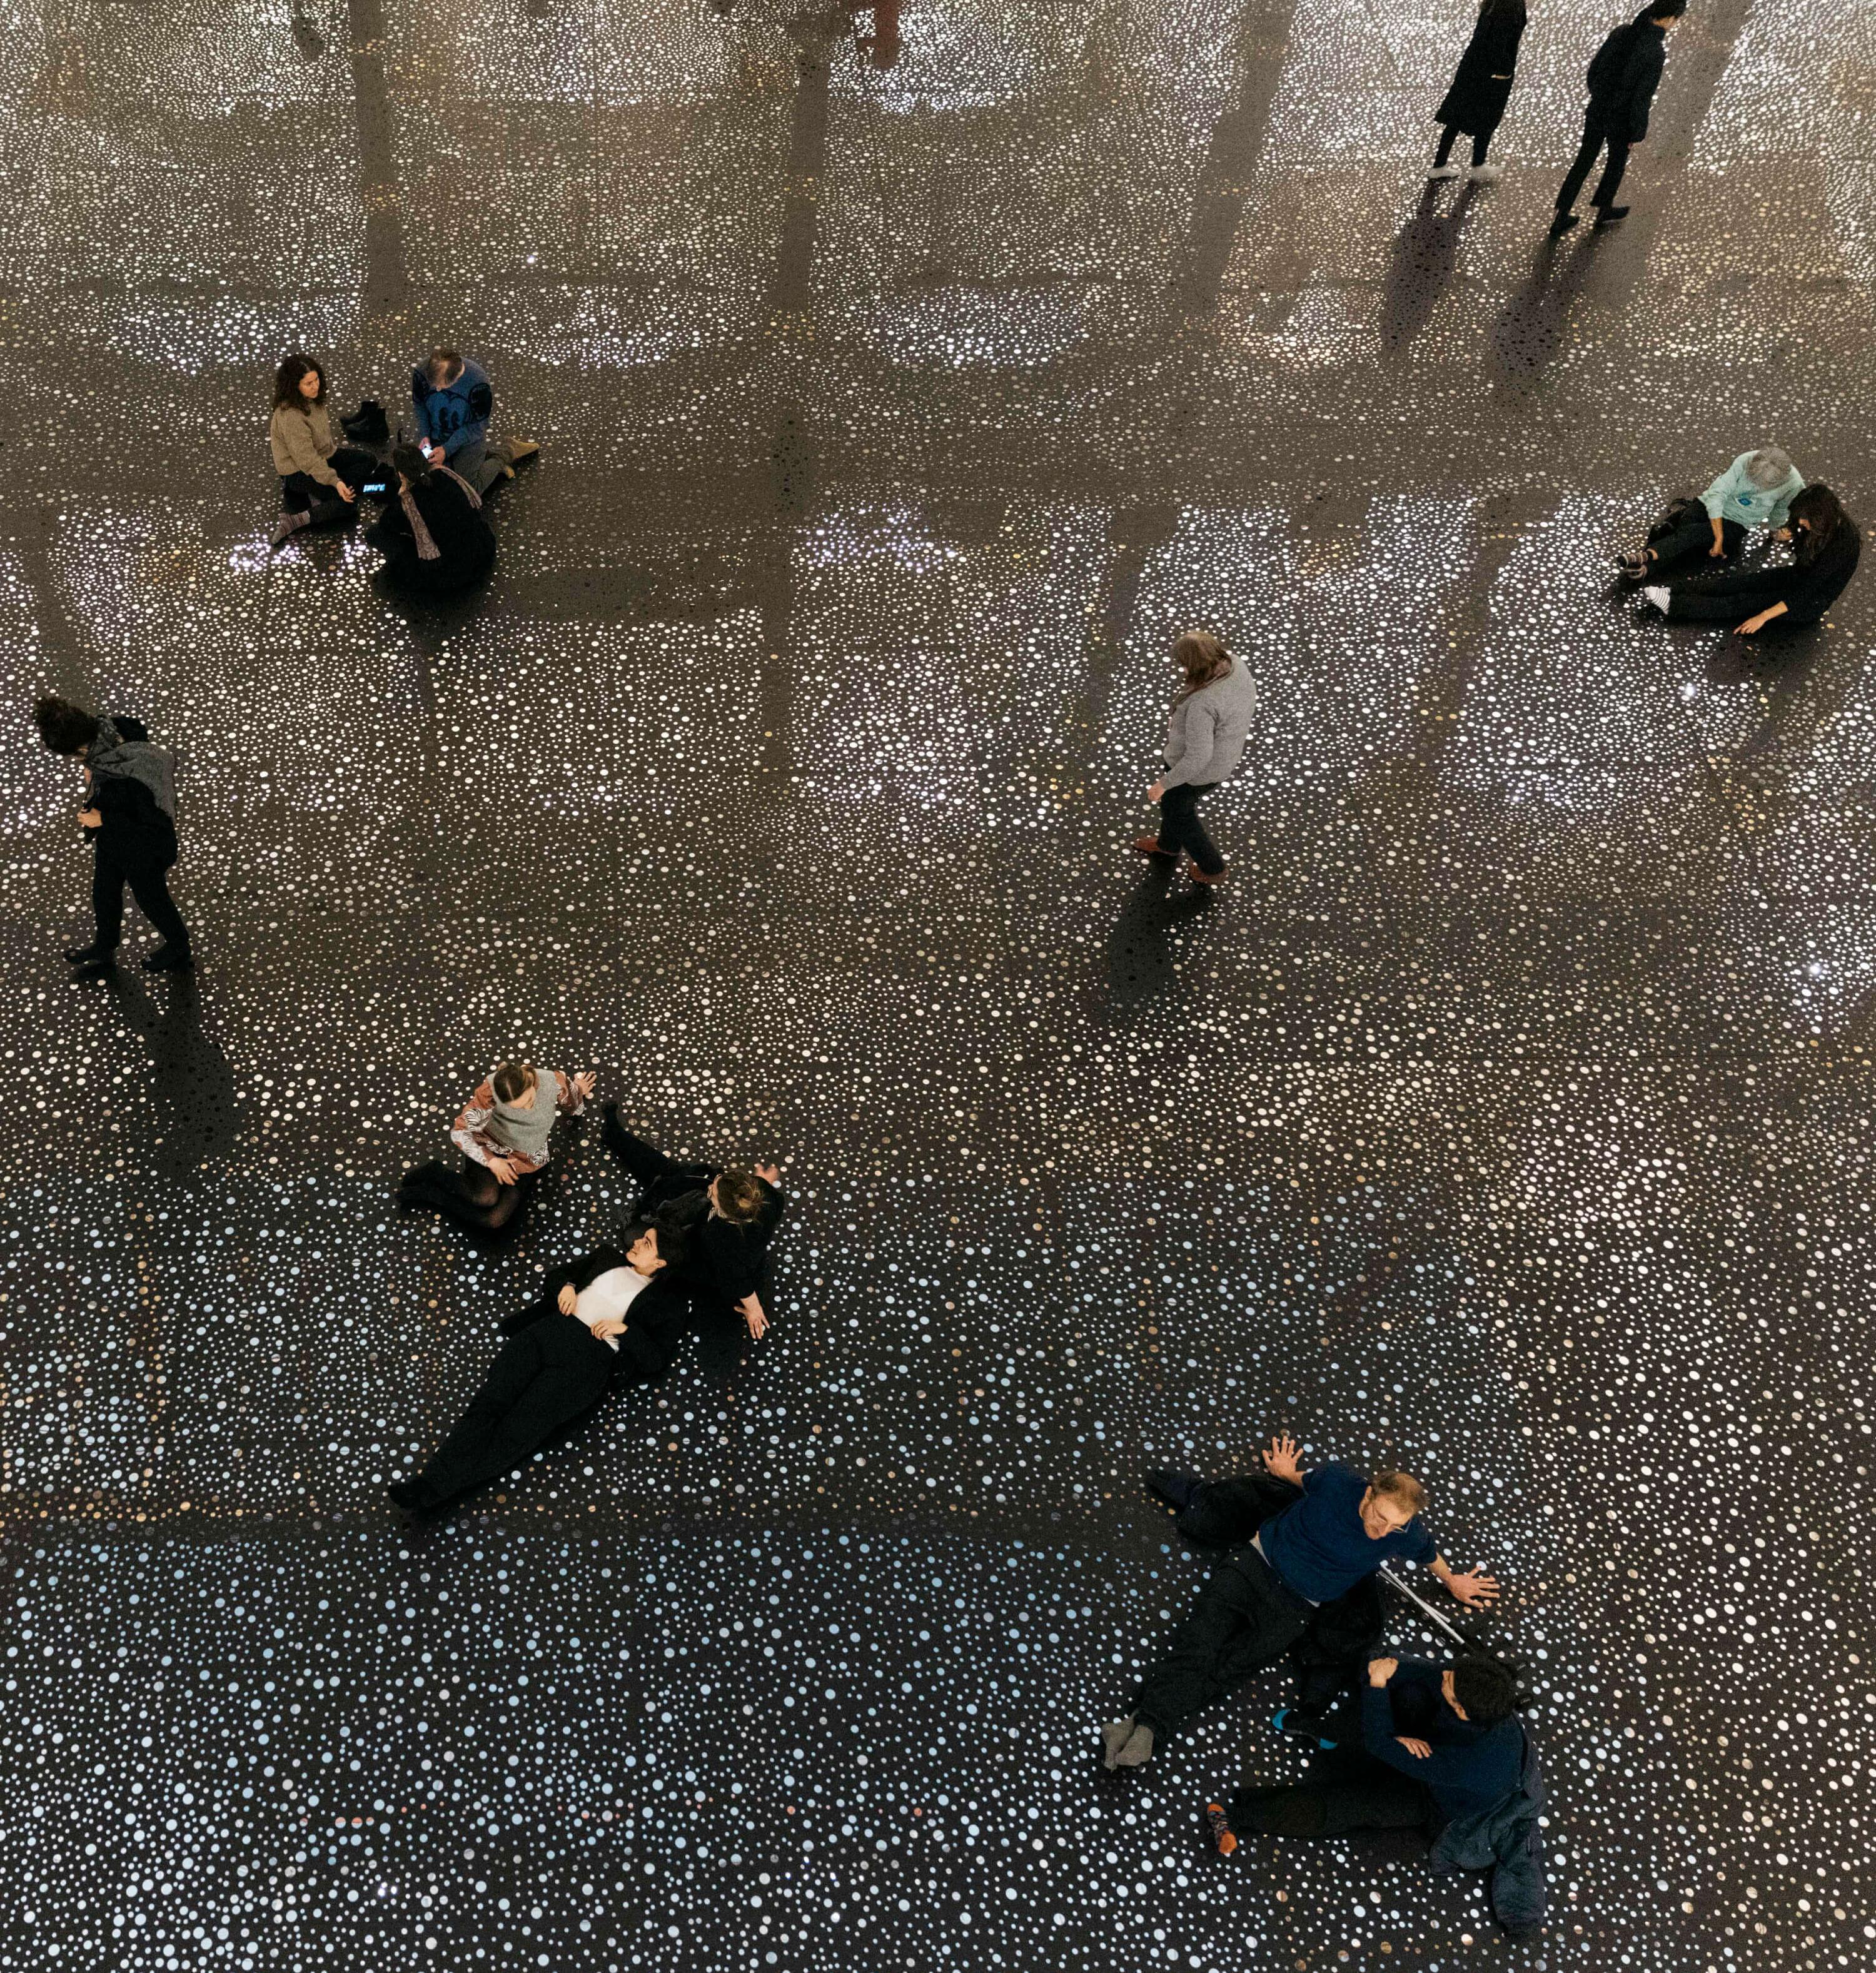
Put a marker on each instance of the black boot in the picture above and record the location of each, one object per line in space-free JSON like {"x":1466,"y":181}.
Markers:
{"x":170,"y":958}
{"x":1176,"y":1489}
{"x":94,"y":958}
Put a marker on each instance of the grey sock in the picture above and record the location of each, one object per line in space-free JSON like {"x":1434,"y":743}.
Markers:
{"x":1114,"y":1736}
{"x":1138,"y":1750}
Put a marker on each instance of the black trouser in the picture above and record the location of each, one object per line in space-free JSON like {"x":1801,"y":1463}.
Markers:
{"x":405,"y":566}
{"x":473,"y":1197}
{"x":549,"y":1373}
{"x":301,"y":493}
{"x":1346,"y":1789}
{"x":1481,"y":142}
{"x":148,"y":885}
{"x":1734,"y":596}
{"x":1595,"y":134}
{"x":1180,"y":828}
{"x":659,"y":1179}
{"x":1691,"y":542}
{"x":1342,"y":1633}
{"x":1244,"y":1620}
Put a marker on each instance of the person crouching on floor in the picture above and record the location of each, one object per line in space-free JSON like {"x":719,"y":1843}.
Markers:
{"x":434,"y":536}
{"x":504,"y":1134}
{"x":1434,"y":1754}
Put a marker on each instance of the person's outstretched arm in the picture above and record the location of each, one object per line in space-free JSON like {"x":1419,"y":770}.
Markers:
{"x":1280,"y":1461}
{"x":1472,"y":1588}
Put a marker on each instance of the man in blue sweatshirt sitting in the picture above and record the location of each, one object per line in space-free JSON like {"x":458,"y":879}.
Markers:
{"x":1334,"y":1529}
{"x":1436,"y":1746}
{"x":453,"y":398}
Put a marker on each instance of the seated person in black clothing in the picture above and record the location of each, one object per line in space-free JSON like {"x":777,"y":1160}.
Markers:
{"x":614,"y":1317}
{"x":1304,"y":1563}
{"x":129,"y":812}
{"x":1434,"y":1746}
{"x":433,"y":535}
{"x":727,"y":1218}
{"x":1828,"y":544}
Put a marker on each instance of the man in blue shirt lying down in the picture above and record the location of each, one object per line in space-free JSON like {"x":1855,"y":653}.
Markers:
{"x":1316,"y":1538}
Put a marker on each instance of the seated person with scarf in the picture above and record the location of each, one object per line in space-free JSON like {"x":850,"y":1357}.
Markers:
{"x":727,"y":1216}
{"x":503,"y":1134}
{"x":615,"y":1316}
{"x":1434,"y":1754}
{"x":1316,"y":1540}
{"x":434,"y":536}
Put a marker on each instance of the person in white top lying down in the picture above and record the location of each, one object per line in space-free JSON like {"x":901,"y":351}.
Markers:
{"x":615,"y":1316}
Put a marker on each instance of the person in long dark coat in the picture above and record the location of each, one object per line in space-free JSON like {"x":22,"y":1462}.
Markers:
{"x":1482,"y":86}
{"x":434,"y":536}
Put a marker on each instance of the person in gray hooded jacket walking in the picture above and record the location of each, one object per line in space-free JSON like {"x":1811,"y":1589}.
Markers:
{"x":1205,"y":735}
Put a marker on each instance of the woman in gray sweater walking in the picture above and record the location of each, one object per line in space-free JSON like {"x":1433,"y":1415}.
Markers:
{"x":1205,"y":735}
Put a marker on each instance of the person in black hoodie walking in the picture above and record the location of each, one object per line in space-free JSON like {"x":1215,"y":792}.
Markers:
{"x":130,"y":815}
{"x":1482,"y":86}
{"x":1623,"y":76}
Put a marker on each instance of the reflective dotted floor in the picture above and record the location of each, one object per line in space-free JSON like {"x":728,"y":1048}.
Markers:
{"x":1506,"y":1116}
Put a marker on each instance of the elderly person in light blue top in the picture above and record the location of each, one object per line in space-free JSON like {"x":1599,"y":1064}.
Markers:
{"x":1756,"y":491}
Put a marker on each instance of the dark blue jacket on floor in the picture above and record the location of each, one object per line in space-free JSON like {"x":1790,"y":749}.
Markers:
{"x":1506,"y":1840}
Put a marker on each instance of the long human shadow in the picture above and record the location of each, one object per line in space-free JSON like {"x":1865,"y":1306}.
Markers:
{"x":191,"y":1086}
{"x":1528,"y":333}
{"x":1142,"y":526}
{"x":1425,"y":255}
{"x":1138,"y":954}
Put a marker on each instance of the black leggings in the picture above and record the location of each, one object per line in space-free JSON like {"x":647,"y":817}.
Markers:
{"x":1180,"y":828}
{"x":1733,"y":597}
{"x":1345,"y":1790}
{"x":300,"y":493}
{"x":473,"y":1197}
{"x":1481,"y":141}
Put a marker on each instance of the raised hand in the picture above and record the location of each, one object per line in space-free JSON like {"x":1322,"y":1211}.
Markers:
{"x":1280,"y":1461}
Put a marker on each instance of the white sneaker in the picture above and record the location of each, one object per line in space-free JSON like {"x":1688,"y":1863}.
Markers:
{"x":1444,"y":172}
{"x":1656,"y":594}
{"x":1485,"y":174}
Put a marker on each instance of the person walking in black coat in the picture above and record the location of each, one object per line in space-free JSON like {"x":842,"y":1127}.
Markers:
{"x":1829,"y":545}
{"x":727,"y":1218}
{"x":615,"y":1316}
{"x":1482,"y":86}
{"x":130,"y":815}
{"x":433,"y":537}
{"x":1622,"y":77}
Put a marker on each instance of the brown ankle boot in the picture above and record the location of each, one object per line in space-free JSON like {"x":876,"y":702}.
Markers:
{"x":1200,"y":877}
{"x":1149,"y":846}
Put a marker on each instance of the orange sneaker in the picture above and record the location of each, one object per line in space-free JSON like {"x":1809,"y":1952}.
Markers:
{"x":1223,"y":1836}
